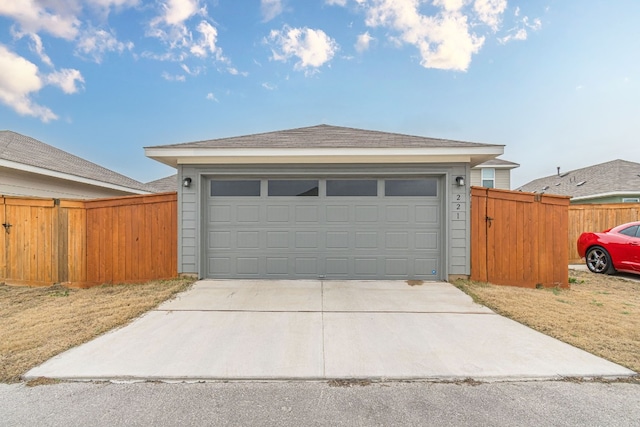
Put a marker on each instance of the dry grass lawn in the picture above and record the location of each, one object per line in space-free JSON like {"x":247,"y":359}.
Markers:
{"x":599,"y":314}
{"x":38,"y":323}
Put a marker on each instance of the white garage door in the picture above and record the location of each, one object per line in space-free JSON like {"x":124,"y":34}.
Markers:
{"x":335,"y":228}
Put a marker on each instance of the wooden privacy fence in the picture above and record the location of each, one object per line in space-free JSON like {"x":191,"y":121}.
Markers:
{"x":519,"y":239}
{"x":597,"y":218}
{"x":86,"y":243}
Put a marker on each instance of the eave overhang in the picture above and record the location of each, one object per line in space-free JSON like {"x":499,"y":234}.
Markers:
{"x":173,"y":156}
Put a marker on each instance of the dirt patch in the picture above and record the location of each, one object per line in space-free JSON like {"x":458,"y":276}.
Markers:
{"x":38,"y":323}
{"x":599,"y":314}
{"x":415,"y":282}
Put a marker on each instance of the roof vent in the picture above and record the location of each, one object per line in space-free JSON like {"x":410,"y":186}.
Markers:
{"x":580,"y":183}
{"x":546,"y":187}
{"x":557,"y":183}
{"x":564,"y":174}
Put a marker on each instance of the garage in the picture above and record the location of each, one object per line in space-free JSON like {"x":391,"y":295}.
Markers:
{"x":324,"y":202}
{"x":330,"y":227}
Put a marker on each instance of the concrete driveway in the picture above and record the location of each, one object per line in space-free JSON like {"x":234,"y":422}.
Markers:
{"x":243,"y":329}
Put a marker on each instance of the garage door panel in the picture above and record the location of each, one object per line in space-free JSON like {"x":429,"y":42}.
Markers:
{"x":306,"y":214}
{"x":397,"y":214}
{"x":306,"y":240}
{"x":337,"y":214}
{"x":219,"y":265}
{"x":277,"y":265}
{"x":426,"y":240}
{"x":306,"y":266}
{"x":426,"y":214}
{"x":278,"y":214}
{"x":365,"y":266}
{"x":220,"y":213}
{"x":248,"y":213}
{"x":248,"y":239}
{"x":247,"y":265}
{"x":424,"y":267}
{"x":366,"y":213}
{"x":278,"y":240}
{"x":338,"y":240}
{"x":397,"y":240}
{"x":396,"y":267}
{"x":366,"y":239}
{"x":337,"y":266}
{"x":219,"y":240}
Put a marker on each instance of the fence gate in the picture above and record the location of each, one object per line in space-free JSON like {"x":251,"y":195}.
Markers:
{"x":29,"y":240}
{"x":519,"y":239}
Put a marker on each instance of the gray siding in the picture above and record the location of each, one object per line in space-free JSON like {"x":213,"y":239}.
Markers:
{"x":19,"y":183}
{"x":503,"y":178}
{"x":193,"y":203}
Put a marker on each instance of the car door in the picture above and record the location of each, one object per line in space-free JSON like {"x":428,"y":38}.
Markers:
{"x":627,"y":249}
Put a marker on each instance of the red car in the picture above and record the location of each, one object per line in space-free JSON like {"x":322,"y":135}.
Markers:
{"x":615,"y":249}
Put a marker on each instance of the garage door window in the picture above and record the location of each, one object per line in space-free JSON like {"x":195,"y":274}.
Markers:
{"x":411,"y":187}
{"x":226,"y":188}
{"x":352,"y":187}
{"x":293,"y":187}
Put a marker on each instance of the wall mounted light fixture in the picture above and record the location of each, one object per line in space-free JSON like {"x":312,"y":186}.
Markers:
{"x":186,"y":182}
{"x":460,"y":181}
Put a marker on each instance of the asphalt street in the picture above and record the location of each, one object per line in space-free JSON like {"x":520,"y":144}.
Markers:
{"x":544,"y":403}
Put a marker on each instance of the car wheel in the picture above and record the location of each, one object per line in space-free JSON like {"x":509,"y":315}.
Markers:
{"x":599,"y":260}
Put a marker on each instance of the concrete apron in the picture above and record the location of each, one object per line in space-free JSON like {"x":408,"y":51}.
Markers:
{"x":312,"y":330}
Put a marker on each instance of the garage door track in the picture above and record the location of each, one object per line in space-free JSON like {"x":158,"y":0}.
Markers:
{"x":312,"y":329}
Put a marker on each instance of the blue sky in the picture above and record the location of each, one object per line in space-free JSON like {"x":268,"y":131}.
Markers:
{"x":557,"y":82}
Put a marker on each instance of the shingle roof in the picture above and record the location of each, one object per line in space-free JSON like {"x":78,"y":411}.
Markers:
{"x":28,"y":151}
{"x":325,"y":136}
{"x":616,"y":176}
{"x":163,"y":185}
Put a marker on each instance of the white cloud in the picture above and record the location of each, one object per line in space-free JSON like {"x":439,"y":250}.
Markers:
{"x":57,"y":18}
{"x":173,"y":77}
{"x":35,"y":46}
{"x":490,"y":12}
{"x":336,"y":2}
{"x":178,"y":11}
{"x":96,"y":42}
{"x":363,"y":42}
{"x":20,"y":80}
{"x":519,"y":32}
{"x":312,"y":48}
{"x":212,"y":97}
{"x":66,"y":79}
{"x":270,"y":9}
{"x":207,"y":42}
{"x":443,"y":40}
{"x":269,"y":86}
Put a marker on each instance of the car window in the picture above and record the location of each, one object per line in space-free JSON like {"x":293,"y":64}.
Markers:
{"x":630,"y":231}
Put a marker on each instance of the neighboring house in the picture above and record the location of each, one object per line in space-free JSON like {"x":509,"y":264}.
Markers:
{"x":324,"y":202}
{"x":495,"y":173}
{"x":164,"y":185}
{"x":32,"y":168}
{"x":617,"y":181}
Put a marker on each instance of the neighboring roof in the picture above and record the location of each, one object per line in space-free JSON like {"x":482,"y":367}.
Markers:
{"x":28,"y":154}
{"x":617,"y":177}
{"x":498,"y":164}
{"x":323,"y":143}
{"x":163,"y":185}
